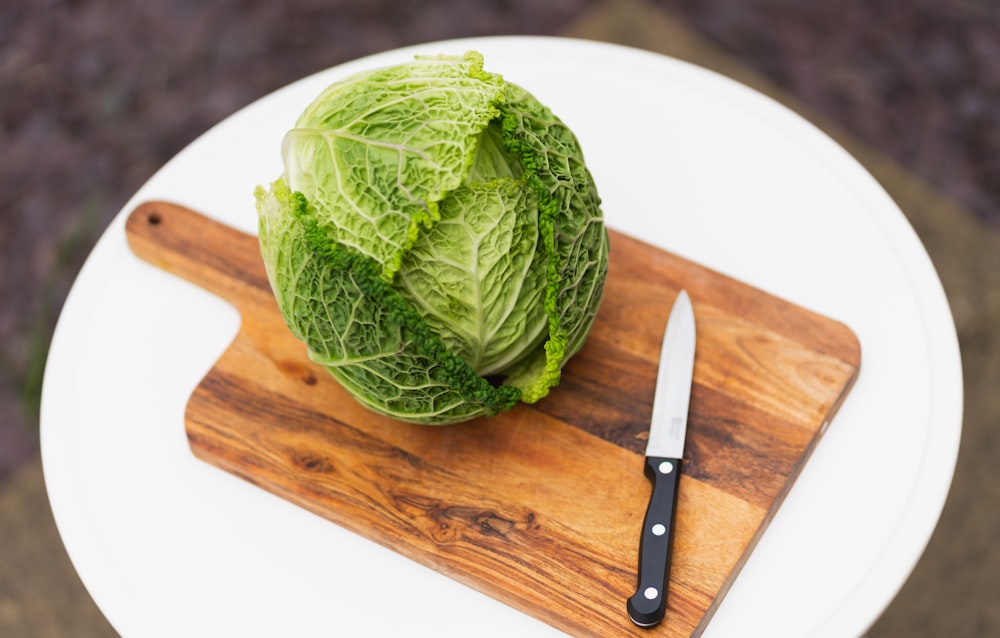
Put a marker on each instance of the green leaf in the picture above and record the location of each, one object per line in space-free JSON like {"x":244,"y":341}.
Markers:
{"x":361,"y":329}
{"x":375,"y":153}
{"x":576,"y":240}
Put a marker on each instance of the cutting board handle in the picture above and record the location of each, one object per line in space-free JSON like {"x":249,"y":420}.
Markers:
{"x":180,"y":240}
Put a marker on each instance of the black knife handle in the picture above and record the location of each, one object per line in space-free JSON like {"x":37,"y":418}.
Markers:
{"x":649,"y":603}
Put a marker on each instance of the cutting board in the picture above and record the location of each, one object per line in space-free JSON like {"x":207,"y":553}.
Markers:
{"x":539,"y":507}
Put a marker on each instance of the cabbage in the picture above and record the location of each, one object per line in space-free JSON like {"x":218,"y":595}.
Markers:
{"x":435,"y":240}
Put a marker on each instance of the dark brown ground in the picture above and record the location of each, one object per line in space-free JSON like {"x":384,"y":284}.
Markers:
{"x":95,"y":96}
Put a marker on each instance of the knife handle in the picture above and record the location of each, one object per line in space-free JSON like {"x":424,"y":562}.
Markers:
{"x":649,"y":603}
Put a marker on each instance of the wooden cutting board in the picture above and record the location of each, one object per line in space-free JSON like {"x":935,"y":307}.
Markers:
{"x":548,"y":519}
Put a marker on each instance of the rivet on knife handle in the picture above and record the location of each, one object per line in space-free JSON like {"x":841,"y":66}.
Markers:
{"x":649,"y":603}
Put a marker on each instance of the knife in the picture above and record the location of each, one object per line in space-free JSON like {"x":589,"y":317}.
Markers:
{"x":664,"y":453}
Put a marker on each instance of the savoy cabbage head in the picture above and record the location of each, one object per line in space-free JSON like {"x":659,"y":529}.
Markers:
{"x":435,"y":240}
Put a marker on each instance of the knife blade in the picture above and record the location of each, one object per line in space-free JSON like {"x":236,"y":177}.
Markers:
{"x":664,"y":453}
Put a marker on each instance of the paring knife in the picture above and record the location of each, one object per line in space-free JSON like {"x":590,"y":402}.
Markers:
{"x":664,"y":452}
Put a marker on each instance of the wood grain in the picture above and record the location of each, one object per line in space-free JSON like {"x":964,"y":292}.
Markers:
{"x":548,"y":522}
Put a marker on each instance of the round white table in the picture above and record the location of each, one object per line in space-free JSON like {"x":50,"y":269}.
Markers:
{"x":685,"y":159}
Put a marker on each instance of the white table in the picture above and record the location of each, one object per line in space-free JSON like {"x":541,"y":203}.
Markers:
{"x":693,"y":162}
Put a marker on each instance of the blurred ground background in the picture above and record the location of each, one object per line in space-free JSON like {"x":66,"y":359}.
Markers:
{"x":95,"y":96}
